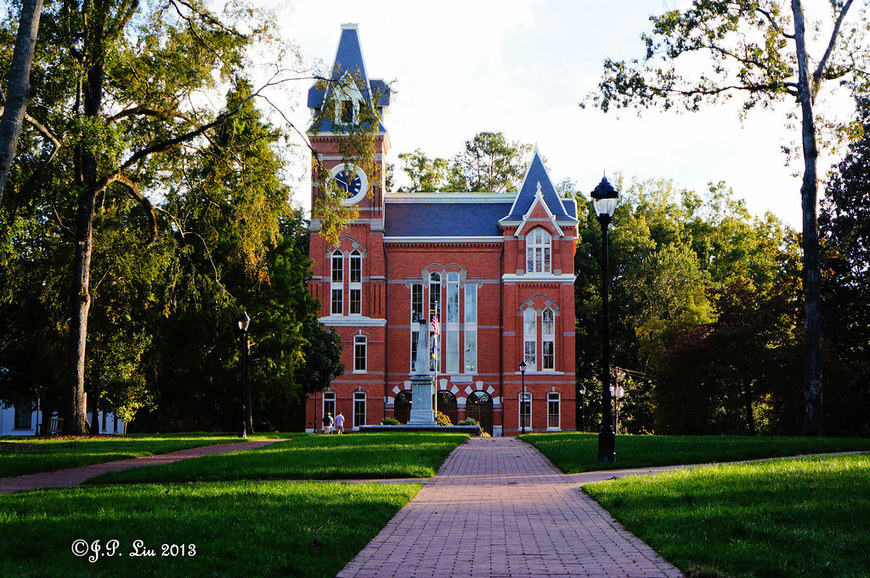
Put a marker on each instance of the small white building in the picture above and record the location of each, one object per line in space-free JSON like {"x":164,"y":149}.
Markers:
{"x":23,"y":420}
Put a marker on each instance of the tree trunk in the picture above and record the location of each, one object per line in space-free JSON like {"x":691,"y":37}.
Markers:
{"x":18,"y":87}
{"x":80,"y":288}
{"x":813,"y":422}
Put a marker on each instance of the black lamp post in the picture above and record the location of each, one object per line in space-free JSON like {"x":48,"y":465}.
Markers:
{"x":604,"y":199}
{"x":582,"y":392}
{"x":243,"y":322}
{"x":523,"y":398}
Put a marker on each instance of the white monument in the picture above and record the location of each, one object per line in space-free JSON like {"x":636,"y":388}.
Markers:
{"x":422,"y":382}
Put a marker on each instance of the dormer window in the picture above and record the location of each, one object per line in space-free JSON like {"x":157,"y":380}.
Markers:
{"x":347,"y":109}
{"x":538,"y":251}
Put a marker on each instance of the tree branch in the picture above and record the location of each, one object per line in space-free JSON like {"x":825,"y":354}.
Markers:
{"x":146,"y":204}
{"x":835,"y":33}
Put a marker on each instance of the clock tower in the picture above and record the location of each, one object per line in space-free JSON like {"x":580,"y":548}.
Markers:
{"x":349,"y":143}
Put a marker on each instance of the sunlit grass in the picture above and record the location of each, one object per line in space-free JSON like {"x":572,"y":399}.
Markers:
{"x":787,"y":517}
{"x":312,"y":457}
{"x":578,"y":452}
{"x":237,"y":529}
{"x":48,"y":454}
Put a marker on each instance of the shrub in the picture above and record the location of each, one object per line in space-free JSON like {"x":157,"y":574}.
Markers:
{"x":390,"y":421}
{"x":469,"y":421}
{"x":442,"y":419}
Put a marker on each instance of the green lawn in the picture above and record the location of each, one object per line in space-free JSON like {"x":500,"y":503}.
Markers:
{"x":311,"y":457}
{"x":578,"y":452}
{"x":29,"y":456}
{"x":789,"y":517}
{"x":235,"y":529}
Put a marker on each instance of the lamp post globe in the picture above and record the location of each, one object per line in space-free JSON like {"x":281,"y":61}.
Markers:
{"x":604,"y":201}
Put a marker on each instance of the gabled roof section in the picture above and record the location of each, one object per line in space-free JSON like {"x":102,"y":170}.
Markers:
{"x":349,"y":59}
{"x":537,"y":178}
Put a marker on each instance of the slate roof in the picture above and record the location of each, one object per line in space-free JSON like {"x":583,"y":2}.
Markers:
{"x":349,"y":58}
{"x":444,"y":219}
{"x":562,"y":209}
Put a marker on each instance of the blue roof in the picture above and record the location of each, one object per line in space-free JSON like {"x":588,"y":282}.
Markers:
{"x":349,"y":58}
{"x":537,"y":175}
{"x":444,"y":219}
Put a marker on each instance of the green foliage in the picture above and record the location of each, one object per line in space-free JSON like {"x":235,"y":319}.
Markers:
{"x":390,"y":421}
{"x":844,"y":225}
{"x":487,"y":163}
{"x":673,"y":255}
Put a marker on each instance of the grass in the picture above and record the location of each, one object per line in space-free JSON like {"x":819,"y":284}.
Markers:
{"x":578,"y":452}
{"x":307,"y":457}
{"x":47,"y":455}
{"x":237,"y":529}
{"x":788,"y":517}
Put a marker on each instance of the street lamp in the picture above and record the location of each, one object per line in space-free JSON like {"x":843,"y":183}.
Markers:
{"x":616,"y":392}
{"x":582,"y":392}
{"x":523,"y":398}
{"x":604,"y":199}
{"x":243,"y":322}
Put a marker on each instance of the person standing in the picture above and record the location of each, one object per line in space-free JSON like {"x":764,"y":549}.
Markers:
{"x":339,"y":423}
{"x":327,"y":423}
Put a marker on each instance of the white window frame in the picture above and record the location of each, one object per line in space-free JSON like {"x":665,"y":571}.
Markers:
{"x":530,"y":339}
{"x":355,"y":283}
{"x":548,"y":340}
{"x":470,"y":317}
{"x":416,"y":307}
{"x":435,"y":309}
{"x":525,"y":401}
{"x":539,"y":251}
{"x":554,"y":398}
{"x":336,"y":283}
{"x":451,"y":325}
{"x":360,"y":343}
{"x":359,"y":399}
{"x":327,"y":405}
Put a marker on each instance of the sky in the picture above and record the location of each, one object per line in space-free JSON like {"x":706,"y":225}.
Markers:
{"x":521,"y":67}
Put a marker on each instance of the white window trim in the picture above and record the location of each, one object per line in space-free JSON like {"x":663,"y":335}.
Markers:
{"x":360,"y":396}
{"x":336,"y":285}
{"x":548,"y":338}
{"x":528,"y":399}
{"x":354,"y":285}
{"x":557,"y":397}
{"x":363,"y":340}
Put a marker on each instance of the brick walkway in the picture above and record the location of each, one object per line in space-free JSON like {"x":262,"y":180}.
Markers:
{"x":499,"y":508}
{"x":75,"y":476}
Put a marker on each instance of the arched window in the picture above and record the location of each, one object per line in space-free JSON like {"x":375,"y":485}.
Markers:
{"x":451,"y":327}
{"x":337,"y":284}
{"x":530,"y":338}
{"x":548,"y":340}
{"x":538,"y":251}
{"x":435,"y":313}
{"x":355,"y":283}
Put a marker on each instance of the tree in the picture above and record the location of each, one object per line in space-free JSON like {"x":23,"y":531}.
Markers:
{"x":487,"y":163}
{"x":18,"y":91}
{"x":490,"y":162}
{"x":117,"y":98}
{"x":754,"y":54}
{"x":844,"y":225}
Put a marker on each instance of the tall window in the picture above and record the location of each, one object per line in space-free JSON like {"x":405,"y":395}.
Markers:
{"x":359,"y":353}
{"x":553,"y":411}
{"x":451,"y":327}
{"x":530,"y":338}
{"x":538,"y":254}
{"x":359,"y":408}
{"x":416,"y":313}
{"x":355,"y":283}
{"x":548,"y":340}
{"x":347,"y":111}
{"x":525,"y":410}
{"x":329,"y":403}
{"x":435,"y":313}
{"x":337,"y":284}
{"x":470,"y":328}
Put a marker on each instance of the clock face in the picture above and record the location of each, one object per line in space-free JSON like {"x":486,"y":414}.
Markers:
{"x":352,"y":181}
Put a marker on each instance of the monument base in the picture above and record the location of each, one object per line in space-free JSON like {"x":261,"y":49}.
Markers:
{"x":422,"y":413}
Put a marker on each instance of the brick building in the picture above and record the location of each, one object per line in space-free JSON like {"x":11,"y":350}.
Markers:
{"x":495,"y":269}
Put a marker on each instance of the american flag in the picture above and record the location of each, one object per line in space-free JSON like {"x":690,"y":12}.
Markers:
{"x":436,"y":327}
